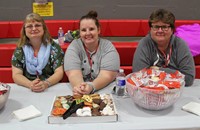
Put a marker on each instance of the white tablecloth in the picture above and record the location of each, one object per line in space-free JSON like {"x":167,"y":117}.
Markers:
{"x":130,"y":115}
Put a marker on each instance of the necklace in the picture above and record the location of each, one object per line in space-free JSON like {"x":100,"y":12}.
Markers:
{"x":89,"y":56}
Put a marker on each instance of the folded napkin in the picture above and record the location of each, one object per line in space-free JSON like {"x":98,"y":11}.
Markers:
{"x":27,"y":113}
{"x":192,"y":107}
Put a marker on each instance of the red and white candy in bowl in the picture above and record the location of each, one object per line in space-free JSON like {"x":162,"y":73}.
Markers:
{"x":155,"y":89}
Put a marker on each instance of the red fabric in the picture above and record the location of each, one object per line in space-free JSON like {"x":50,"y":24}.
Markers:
{"x":112,"y":28}
{"x":197,"y":71}
{"x":126,"y":51}
{"x":53,"y":26}
{"x":122,"y":28}
{"x":197,"y":60}
{"x":6,"y":51}
{"x":144,"y":28}
{"x":127,"y":69}
{"x":14,"y":29}
{"x":6,"y":75}
{"x":4,"y":27}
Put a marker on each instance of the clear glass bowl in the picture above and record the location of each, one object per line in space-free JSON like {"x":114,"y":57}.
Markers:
{"x":4,"y":96}
{"x":153,"y":99}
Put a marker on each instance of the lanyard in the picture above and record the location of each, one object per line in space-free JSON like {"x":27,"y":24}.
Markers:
{"x":167,"y":57}
{"x":89,"y":56}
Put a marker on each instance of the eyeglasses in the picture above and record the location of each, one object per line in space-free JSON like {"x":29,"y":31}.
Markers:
{"x":156,"y":27}
{"x":31,"y":26}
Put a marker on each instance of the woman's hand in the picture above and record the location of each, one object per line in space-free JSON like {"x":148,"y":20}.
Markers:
{"x":83,"y":88}
{"x":154,"y":67}
{"x":77,"y":91}
{"x":38,"y":86}
{"x":86,"y":88}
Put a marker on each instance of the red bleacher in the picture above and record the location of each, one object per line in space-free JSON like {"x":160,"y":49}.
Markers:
{"x":109,"y":28}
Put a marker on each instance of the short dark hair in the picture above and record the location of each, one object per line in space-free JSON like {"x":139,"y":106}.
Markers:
{"x":162,"y":15}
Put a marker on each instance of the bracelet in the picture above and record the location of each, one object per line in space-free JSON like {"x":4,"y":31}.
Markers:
{"x":49,"y":84}
{"x":93,"y":88}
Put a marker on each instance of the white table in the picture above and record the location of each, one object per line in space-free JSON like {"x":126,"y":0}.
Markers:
{"x":130,"y":115}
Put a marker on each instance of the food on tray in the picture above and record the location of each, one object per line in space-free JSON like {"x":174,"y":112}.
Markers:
{"x":72,"y":109}
{"x":86,"y":105}
{"x":58,"y":111}
{"x":86,"y":111}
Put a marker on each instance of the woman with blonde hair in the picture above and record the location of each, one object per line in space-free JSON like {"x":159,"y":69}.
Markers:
{"x":37,"y":62}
